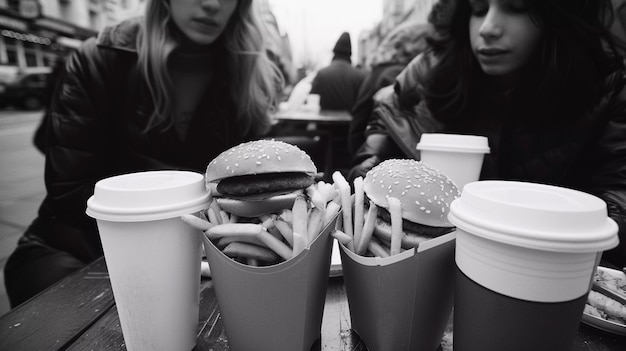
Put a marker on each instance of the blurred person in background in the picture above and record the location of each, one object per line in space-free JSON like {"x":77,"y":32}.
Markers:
{"x":170,"y":90}
{"x":338,"y":83}
{"x":395,"y":51}
{"x":543,"y":80}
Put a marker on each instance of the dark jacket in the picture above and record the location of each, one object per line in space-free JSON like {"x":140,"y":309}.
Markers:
{"x":381,"y":76}
{"x":97,"y":129}
{"x":590,"y":157}
{"x":338,"y":85}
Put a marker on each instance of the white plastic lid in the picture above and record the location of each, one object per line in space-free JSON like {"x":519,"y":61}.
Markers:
{"x":535,"y":216}
{"x":147,"y":196}
{"x":453,"y":143}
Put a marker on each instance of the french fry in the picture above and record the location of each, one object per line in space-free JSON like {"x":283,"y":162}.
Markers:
{"x":276,"y":233}
{"x":216,"y":210}
{"x":300,"y":217}
{"x":368,"y":229}
{"x":396,"y":225}
{"x":234,"y":218}
{"x":225,"y":218}
{"x":358,"y":209}
{"x":316,"y":197}
{"x":196,"y":222}
{"x":408,"y":241}
{"x":342,"y":237}
{"x":267,"y":221}
{"x":346,"y":204}
{"x":299,"y":243}
{"x":239,"y":249}
{"x":223,"y":241}
{"x":276,"y":245}
{"x":285,"y":229}
{"x":314,"y":225}
{"x":213,"y":217}
{"x":331,"y":210}
{"x":230,"y":229}
{"x":377,"y":249}
{"x":286,"y":215}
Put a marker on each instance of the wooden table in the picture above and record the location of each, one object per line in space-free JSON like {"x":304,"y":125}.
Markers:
{"x":331,"y":127}
{"x":79,"y":313}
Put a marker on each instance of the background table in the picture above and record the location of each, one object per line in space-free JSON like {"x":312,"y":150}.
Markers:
{"x":79,"y":313}
{"x":329,"y":127}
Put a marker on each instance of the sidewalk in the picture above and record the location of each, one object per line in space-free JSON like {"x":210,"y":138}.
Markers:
{"x":21,"y":185}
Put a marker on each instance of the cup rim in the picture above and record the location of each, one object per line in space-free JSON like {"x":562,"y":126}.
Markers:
{"x":453,"y":143}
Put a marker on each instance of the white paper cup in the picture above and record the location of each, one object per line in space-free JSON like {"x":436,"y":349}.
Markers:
{"x":312,"y":103}
{"x":153,"y":258}
{"x":525,"y":256}
{"x":460,"y":157}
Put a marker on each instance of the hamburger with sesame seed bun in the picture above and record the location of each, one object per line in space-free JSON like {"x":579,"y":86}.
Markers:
{"x":259,"y":177}
{"x":425,"y":195}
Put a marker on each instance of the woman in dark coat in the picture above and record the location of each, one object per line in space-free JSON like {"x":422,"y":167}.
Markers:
{"x":542,"y":79}
{"x":170,"y":90}
{"x":395,"y":51}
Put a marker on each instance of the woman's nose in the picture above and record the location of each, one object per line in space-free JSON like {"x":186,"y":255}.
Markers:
{"x":211,"y":5}
{"x":492,"y":24}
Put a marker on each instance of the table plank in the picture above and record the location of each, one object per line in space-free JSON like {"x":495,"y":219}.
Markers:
{"x":53,"y":319}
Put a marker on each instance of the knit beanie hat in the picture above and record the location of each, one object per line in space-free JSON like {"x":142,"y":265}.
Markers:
{"x":343,"y":46}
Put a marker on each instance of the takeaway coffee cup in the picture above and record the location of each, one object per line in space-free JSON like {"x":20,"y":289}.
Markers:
{"x":460,"y":157}
{"x":153,"y":258}
{"x":525,"y":257}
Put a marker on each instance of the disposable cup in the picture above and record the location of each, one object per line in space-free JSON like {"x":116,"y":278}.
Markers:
{"x":402,"y":302}
{"x":460,"y":157}
{"x":273,"y":308}
{"x":153,"y":258}
{"x":525,"y":257}
{"x":312,"y":103}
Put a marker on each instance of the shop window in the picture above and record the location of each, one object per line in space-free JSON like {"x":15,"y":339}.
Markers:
{"x":11,"y":51}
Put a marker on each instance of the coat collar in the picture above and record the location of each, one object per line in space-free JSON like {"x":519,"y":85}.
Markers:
{"x":122,"y":36}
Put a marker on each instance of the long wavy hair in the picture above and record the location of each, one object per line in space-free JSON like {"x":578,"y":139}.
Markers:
{"x":255,"y":80}
{"x":565,"y":75}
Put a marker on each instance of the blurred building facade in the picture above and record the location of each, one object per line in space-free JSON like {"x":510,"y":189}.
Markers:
{"x":38,"y":32}
{"x":395,"y":12}
{"x":278,"y":44}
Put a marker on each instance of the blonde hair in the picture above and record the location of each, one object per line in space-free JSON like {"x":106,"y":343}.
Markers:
{"x":255,"y":79}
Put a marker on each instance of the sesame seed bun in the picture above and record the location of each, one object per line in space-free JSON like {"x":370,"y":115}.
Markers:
{"x":258,"y":157}
{"x":259,"y":177}
{"x":425,"y":193}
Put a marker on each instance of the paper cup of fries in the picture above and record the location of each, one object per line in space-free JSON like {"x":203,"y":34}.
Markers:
{"x":276,"y":307}
{"x":400,"y":286}
{"x":401,"y":302}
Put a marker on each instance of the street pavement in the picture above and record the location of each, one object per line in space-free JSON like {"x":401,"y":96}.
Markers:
{"x":21,"y":183}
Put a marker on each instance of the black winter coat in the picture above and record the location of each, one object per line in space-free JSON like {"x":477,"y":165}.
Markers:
{"x":97,"y":128}
{"x":590,"y":159}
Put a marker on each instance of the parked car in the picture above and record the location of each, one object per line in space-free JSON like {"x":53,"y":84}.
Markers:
{"x":26,"y":88}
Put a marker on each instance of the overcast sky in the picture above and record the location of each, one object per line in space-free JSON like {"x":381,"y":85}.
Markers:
{"x":315,"y":25}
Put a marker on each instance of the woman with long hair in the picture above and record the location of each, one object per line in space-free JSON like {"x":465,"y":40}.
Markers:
{"x":169,"y":90}
{"x":542,"y":79}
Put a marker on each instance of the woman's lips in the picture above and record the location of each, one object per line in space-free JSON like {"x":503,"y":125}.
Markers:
{"x":206,"y":22}
{"x":490,"y":52}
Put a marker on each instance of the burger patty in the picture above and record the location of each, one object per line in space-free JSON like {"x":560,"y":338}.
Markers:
{"x":263,"y":183}
{"x":413,"y":227}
